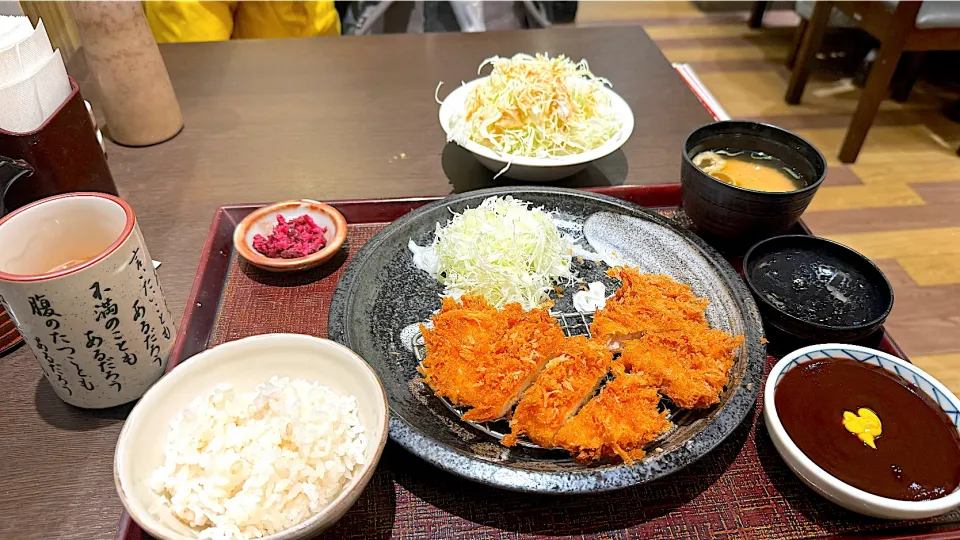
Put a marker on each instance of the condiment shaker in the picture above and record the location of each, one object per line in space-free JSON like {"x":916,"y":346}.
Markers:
{"x":136,"y":95}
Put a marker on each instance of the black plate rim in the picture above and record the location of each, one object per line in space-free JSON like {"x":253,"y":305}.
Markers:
{"x":587,"y":480}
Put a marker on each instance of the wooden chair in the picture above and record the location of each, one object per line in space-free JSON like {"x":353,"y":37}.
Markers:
{"x":901,"y":27}
{"x":804,"y":9}
{"x":756,"y":14}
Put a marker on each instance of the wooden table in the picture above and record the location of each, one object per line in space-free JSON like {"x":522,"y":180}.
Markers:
{"x":326,"y":118}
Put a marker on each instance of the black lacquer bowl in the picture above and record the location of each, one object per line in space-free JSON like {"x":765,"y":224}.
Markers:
{"x":736,"y":215}
{"x":817,"y":290}
{"x":382,"y":297}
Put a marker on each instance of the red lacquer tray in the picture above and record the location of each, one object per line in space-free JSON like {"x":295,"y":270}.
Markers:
{"x":742,"y":489}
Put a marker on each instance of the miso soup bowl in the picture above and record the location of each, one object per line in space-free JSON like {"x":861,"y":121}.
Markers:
{"x":732,"y":214}
{"x":824,"y":483}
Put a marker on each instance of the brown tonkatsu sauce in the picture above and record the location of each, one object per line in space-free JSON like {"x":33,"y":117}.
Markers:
{"x":918,"y":453}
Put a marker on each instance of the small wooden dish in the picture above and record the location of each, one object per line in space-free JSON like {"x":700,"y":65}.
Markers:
{"x":263,"y":220}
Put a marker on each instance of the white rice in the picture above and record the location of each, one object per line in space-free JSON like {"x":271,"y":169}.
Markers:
{"x":244,"y":465}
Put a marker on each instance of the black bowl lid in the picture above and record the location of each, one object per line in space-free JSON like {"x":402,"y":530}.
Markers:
{"x":818,"y":282}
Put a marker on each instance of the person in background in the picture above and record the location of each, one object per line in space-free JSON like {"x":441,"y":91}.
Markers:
{"x":176,"y":21}
{"x":394,"y":16}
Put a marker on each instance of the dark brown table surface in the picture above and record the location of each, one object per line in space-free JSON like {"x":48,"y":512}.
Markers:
{"x":324,"y":118}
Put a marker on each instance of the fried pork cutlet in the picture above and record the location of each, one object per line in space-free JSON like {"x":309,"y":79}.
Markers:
{"x":483,"y":358}
{"x":567,"y":382}
{"x":622,"y":418}
{"x":646,"y":303}
{"x":689,"y":367}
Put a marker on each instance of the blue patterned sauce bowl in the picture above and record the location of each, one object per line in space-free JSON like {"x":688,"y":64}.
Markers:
{"x":824,"y":483}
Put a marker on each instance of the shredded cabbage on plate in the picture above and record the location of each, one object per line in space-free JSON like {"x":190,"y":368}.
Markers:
{"x":537,"y":106}
{"x":502,"y":250}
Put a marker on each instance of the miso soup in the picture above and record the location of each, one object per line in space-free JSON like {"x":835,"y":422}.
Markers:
{"x":758,"y":171}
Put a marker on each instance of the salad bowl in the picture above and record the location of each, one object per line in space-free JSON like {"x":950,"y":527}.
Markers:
{"x":532,"y":169}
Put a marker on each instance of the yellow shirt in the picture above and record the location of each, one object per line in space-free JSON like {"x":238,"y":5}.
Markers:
{"x":217,"y":21}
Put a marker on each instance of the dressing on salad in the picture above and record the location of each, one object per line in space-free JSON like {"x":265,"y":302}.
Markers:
{"x":537,"y":106}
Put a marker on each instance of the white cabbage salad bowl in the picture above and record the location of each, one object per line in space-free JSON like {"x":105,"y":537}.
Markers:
{"x":533,"y":169}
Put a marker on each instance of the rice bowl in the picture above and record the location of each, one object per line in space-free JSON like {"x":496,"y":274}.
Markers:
{"x":244,"y":465}
{"x":243,"y":365}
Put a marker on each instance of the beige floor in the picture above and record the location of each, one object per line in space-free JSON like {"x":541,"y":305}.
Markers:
{"x":899,"y":204}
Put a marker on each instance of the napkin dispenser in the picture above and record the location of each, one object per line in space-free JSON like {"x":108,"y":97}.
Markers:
{"x":60,"y":156}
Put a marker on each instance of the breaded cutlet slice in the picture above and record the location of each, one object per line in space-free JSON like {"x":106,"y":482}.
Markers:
{"x":646,"y":303}
{"x":567,"y":382}
{"x":462,"y":333}
{"x":689,"y":367}
{"x":619,"y":421}
{"x":482,"y":358}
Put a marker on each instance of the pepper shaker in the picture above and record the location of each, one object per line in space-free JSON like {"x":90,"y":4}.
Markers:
{"x":135,"y":90}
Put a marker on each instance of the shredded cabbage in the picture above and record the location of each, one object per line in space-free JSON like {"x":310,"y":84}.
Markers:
{"x":537,"y":106}
{"x":502,"y":250}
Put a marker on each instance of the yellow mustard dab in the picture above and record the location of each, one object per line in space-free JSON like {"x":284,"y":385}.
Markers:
{"x":865,"y":425}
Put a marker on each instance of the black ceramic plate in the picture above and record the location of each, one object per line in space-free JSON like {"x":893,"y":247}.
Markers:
{"x":382,"y":296}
